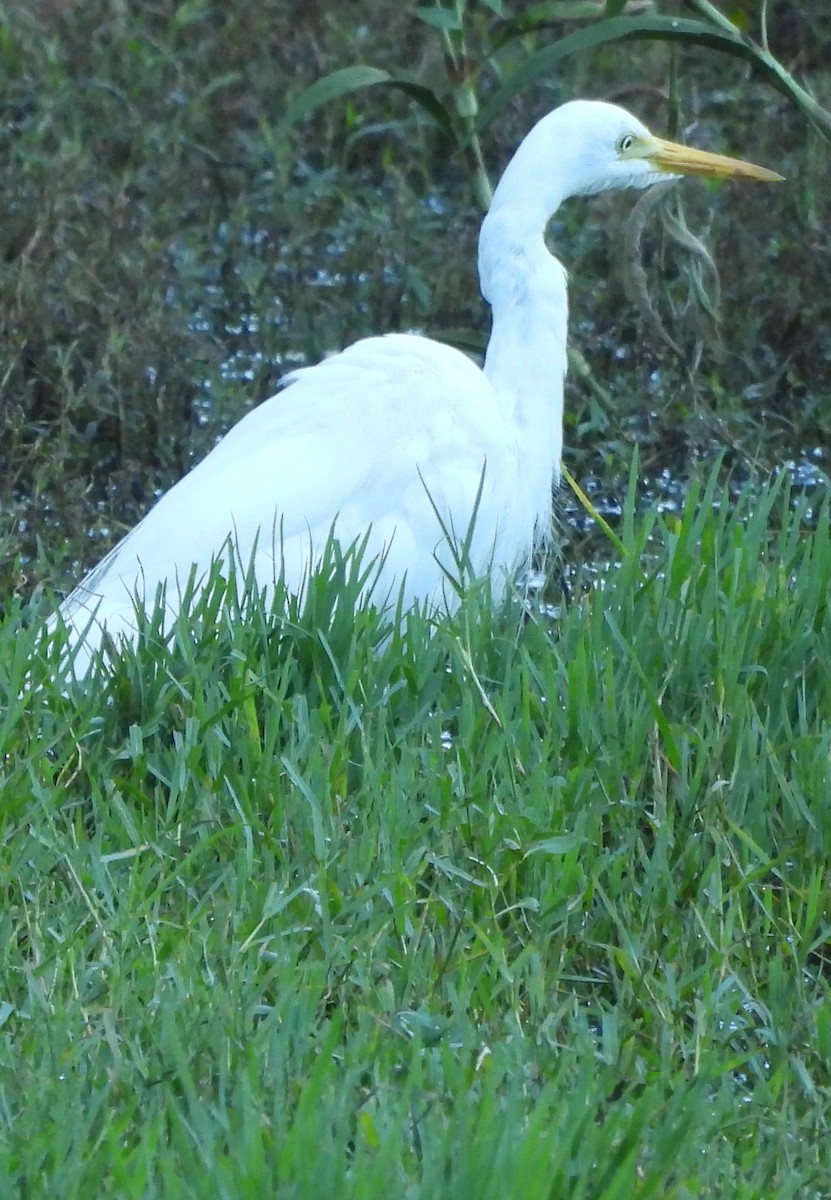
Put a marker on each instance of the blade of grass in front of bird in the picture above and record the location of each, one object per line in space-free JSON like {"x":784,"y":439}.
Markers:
{"x":591,"y":509}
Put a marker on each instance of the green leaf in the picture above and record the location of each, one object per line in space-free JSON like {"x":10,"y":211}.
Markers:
{"x":540,"y":65}
{"x":354,"y":79}
{"x":544,"y":16}
{"x":615,"y":7}
{"x":563,"y":844}
{"x":439,"y":18}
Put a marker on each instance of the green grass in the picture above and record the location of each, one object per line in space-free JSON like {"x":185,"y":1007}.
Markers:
{"x":311,"y":906}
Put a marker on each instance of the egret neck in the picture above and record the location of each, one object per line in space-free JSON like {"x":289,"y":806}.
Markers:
{"x":525,"y":286}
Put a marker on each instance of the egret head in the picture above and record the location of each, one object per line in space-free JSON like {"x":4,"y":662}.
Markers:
{"x":588,"y":146}
{"x":619,"y":151}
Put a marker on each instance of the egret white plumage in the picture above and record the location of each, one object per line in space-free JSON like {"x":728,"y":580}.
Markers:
{"x":401,"y":440}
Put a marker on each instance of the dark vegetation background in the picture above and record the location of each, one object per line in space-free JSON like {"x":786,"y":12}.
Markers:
{"x":168,"y":249}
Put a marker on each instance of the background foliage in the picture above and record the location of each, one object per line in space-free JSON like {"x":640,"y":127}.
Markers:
{"x":171,"y":243}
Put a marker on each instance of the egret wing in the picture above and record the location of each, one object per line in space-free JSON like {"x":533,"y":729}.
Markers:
{"x":387,"y":439}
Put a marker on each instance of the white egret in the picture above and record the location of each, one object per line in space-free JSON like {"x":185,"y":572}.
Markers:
{"x":400,"y":439}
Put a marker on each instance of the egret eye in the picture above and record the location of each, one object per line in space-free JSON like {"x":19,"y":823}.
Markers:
{"x":626,"y":143}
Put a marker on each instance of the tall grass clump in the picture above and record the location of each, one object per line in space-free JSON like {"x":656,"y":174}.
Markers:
{"x":317,"y":902}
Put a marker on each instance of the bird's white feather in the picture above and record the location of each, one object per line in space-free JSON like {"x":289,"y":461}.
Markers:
{"x":396,"y":437}
{"x":400,"y":440}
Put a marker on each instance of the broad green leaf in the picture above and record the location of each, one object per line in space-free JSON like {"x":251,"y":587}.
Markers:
{"x":761,"y":55}
{"x":354,"y":79}
{"x":540,"y":65}
{"x":563,"y":844}
{"x":439,"y":18}
{"x":543,"y":16}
